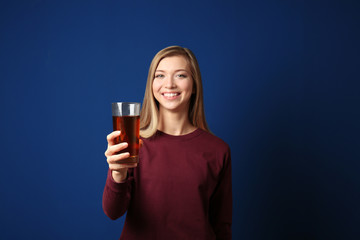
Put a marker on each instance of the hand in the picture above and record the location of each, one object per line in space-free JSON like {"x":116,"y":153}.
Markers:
{"x":118,"y":169}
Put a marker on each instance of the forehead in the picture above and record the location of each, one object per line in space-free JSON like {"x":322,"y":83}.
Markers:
{"x":173,"y":63}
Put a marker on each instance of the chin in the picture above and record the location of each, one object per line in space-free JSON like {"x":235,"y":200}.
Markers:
{"x":173,"y":108}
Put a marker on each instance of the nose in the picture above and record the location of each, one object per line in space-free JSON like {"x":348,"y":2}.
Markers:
{"x":169,"y":82}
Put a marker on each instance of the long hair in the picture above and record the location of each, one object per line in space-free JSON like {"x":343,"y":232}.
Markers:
{"x":149,"y":116}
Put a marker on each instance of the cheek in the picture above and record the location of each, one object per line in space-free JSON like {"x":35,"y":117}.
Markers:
{"x":155,"y":86}
{"x":155,"y":90}
{"x":189,"y":86}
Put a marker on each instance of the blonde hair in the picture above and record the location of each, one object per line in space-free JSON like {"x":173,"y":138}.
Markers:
{"x":149,"y":116}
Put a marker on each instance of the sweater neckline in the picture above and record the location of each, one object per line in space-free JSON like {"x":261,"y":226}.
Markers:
{"x":187,"y":136}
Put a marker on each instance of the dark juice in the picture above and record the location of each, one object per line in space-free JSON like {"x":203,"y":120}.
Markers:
{"x":129,"y":127}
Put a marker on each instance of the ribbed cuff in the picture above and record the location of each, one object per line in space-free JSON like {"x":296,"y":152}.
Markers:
{"x":114,"y":186}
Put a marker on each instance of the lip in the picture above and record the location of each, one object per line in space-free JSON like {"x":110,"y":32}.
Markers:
{"x":170,"y":95}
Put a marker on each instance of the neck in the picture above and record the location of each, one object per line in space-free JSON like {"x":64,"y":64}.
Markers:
{"x":174,"y":123}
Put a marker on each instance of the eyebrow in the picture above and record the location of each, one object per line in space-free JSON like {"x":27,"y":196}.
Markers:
{"x":179,"y":70}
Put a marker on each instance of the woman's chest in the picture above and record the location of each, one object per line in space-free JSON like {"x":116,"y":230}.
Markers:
{"x":180,"y":167}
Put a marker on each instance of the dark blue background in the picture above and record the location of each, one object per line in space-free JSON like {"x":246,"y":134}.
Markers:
{"x":281,"y":85}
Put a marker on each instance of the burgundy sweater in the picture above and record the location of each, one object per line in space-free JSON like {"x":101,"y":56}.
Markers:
{"x":181,"y":189}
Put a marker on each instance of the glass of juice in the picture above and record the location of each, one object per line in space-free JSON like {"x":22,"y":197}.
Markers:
{"x":126,"y":118}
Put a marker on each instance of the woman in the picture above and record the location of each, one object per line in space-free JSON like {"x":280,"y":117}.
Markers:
{"x":181,"y":188}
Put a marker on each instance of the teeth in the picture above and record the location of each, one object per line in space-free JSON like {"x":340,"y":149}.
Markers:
{"x":170,"y":94}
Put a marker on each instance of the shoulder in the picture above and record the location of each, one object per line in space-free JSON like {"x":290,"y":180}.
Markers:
{"x":200,"y":140}
{"x":213,"y":141}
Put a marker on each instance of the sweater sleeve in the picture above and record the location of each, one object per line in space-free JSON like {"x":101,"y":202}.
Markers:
{"x":116,"y":196}
{"x":221,"y":202}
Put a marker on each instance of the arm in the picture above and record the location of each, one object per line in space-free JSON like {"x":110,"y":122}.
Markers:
{"x":116,"y":197}
{"x":221,"y":202}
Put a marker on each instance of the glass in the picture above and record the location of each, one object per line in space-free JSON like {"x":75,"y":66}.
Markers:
{"x":126,"y":118}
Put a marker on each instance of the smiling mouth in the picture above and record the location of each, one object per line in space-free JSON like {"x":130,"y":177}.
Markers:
{"x":170,"y":94}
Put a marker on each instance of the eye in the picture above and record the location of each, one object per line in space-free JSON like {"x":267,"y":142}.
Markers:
{"x":182,"y":76}
{"x":159,"y":76}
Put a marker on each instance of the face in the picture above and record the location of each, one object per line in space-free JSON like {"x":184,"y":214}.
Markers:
{"x":173,"y":84}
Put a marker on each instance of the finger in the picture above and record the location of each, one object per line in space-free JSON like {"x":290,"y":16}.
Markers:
{"x":131,"y":165}
{"x":118,"y":157}
{"x":111,"y":137}
{"x":116,"y":148}
{"x":119,"y":167}
{"x":140,"y":142}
